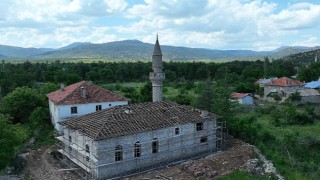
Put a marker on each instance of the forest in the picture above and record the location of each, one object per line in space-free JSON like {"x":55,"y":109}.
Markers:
{"x":275,"y":129}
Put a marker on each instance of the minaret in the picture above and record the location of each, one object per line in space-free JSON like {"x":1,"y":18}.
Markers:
{"x":157,"y":76}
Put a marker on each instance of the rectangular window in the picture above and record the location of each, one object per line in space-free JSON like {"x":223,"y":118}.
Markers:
{"x":98,"y":107}
{"x":176,"y":131}
{"x":74,"y":110}
{"x":199,"y":126}
{"x":155,"y":145}
{"x":87,"y":158}
{"x":137,"y":149}
{"x":118,"y":153}
{"x":203,"y":139}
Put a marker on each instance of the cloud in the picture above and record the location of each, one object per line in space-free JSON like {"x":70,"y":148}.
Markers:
{"x":310,"y":42}
{"x":228,"y":24}
{"x":100,"y":7}
{"x":214,"y":24}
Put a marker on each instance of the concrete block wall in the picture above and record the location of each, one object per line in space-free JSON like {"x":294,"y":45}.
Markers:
{"x":171,"y":147}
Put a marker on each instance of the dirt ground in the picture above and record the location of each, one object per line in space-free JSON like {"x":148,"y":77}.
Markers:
{"x":209,"y":167}
{"x":42,"y":165}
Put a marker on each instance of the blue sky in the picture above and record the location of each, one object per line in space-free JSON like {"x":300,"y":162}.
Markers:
{"x":213,"y":24}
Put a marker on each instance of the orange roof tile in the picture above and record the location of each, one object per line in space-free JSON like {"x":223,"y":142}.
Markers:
{"x":284,"y":81}
{"x":239,"y":95}
{"x":72,"y":94}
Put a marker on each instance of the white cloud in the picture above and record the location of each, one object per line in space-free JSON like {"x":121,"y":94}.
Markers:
{"x":214,"y":24}
{"x":309,"y":42}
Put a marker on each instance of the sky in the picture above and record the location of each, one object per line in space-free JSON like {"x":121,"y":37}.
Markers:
{"x":213,"y":24}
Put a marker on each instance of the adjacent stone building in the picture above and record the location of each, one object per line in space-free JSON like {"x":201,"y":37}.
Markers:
{"x":78,"y":99}
{"x":125,"y":139}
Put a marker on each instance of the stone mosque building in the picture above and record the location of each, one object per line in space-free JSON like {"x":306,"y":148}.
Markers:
{"x":125,"y":139}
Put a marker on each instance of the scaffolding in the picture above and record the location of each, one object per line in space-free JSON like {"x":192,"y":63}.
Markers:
{"x":77,"y":156}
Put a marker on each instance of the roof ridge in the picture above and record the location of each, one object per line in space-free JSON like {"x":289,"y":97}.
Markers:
{"x":69,"y":94}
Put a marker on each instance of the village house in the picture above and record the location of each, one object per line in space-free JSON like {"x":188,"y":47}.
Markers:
{"x":308,"y":96}
{"x":283,"y":87}
{"x":130,"y":138}
{"x":243,"y":98}
{"x":78,"y":99}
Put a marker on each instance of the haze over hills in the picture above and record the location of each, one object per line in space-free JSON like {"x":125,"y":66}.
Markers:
{"x":134,"y":49}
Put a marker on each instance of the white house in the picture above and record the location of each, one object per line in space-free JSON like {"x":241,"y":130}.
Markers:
{"x":79,"y":99}
{"x":243,"y":98}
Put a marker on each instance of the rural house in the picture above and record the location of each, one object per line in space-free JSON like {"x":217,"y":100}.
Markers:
{"x":79,"y":99}
{"x":308,"y":96}
{"x":283,"y":87}
{"x":129,"y":138}
{"x":243,"y":98}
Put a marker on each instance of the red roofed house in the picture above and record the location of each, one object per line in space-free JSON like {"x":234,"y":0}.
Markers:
{"x":79,"y":99}
{"x":243,"y":98}
{"x":283,"y":86}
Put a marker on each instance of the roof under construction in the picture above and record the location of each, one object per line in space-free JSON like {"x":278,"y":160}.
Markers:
{"x":130,"y":119}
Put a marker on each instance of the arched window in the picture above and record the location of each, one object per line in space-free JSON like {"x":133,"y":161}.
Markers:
{"x":137,"y":149}
{"x":118,"y":153}
{"x":155,"y":145}
{"x":87,"y":148}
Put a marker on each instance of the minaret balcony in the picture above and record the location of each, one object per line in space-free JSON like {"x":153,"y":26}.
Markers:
{"x":157,"y":76}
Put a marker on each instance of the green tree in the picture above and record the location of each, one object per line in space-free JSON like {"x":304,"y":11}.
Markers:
{"x":9,"y":139}
{"x":206,"y":97}
{"x":39,"y":118}
{"x":20,"y":103}
{"x":145,"y":94}
{"x":266,"y":67}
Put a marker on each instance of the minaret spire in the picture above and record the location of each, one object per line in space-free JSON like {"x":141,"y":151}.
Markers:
{"x":157,"y":76}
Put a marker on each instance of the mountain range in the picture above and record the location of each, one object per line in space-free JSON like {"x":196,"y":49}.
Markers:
{"x":134,"y":49}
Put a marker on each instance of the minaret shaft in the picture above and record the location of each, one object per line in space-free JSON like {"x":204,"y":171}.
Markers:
{"x":157,"y":76}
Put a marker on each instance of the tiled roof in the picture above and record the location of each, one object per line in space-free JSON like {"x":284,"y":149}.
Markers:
{"x":239,"y":95}
{"x":308,"y":92}
{"x":264,"y":81}
{"x":135,"y":118}
{"x":72,"y":94}
{"x":284,"y":81}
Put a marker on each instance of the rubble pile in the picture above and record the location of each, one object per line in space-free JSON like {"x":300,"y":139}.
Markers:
{"x":199,"y":169}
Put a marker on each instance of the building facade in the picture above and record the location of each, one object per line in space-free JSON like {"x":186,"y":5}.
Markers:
{"x":79,"y":99}
{"x":283,"y":87}
{"x":126,"y":139}
{"x":243,"y":98}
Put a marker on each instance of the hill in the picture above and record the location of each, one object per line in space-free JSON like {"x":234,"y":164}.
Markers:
{"x":11,"y":51}
{"x":134,"y":49}
{"x":304,"y":57}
